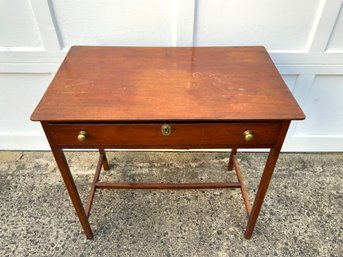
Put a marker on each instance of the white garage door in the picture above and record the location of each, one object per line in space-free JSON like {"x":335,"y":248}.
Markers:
{"x":304,"y":38}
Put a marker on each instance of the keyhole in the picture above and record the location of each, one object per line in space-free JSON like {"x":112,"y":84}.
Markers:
{"x":166,"y":130}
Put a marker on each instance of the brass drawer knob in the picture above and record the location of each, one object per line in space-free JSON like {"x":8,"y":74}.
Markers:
{"x":166,"y":130}
{"x":82,"y":136}
{"x":248,"y":135}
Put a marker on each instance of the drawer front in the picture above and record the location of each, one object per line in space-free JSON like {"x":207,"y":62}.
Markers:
{"x":174,"y":135}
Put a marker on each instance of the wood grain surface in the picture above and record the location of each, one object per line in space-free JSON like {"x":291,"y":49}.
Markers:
{"x":166,"y":83}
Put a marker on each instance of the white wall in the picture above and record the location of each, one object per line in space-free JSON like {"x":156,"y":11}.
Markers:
{"x":304,"y":38}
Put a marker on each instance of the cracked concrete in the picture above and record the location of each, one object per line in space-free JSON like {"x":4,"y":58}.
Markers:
{"x":301,"y":216}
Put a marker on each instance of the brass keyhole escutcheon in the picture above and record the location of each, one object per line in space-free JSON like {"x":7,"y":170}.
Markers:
{"x":166,"y":130}
{"x":82,"y":136}
{"x":248,"y":135}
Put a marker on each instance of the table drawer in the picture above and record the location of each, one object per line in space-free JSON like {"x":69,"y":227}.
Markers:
{"x":171,"y":135}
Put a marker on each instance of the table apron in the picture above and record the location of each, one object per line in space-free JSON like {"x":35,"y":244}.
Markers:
{"x":151,"y":135}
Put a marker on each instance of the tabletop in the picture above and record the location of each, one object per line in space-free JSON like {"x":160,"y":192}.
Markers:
{"x":125,"y":84}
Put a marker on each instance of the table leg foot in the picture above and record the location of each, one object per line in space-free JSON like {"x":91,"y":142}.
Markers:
{"x":89,"y":237}
{"x":247,"y":235}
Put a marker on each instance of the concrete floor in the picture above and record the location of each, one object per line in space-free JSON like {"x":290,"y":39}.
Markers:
{"x":302,"y":214}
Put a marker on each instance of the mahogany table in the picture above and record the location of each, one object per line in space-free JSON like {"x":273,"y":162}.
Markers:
{"x":166,"y":98}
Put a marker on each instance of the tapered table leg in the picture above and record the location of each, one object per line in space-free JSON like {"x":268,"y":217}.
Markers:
{"x":104,"y":160}
{"x":72,"y":190}
{"x":265,"y":180}
{"x":261,"y":192}
{"x":232,"y":154}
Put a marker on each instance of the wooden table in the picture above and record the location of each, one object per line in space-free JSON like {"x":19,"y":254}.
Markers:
{"x":166,"y":98}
